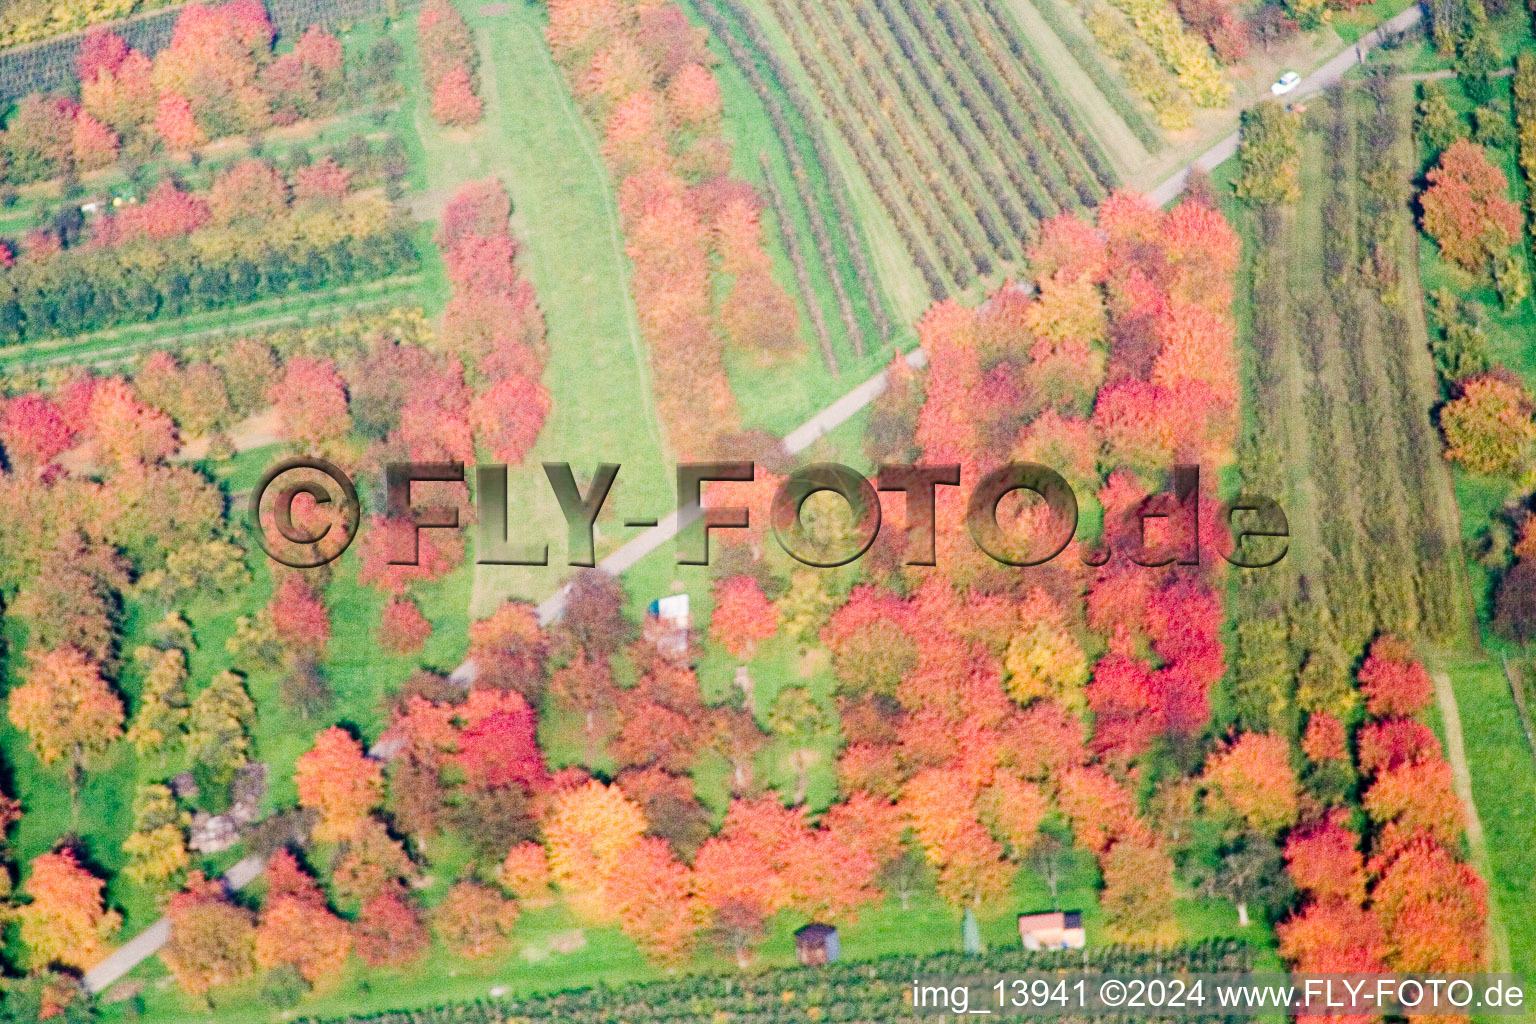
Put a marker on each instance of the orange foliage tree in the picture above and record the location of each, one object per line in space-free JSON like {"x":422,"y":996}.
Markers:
{"x":66,"y":922}
{"x":213,"y":941}
{"x":337,"y":779}
{"x":1467,"y":209}
{"x":296,"y":928}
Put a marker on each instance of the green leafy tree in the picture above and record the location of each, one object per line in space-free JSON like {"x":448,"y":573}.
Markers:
{"x":1439,"y":124}
{"x":163,"y":701}
{"x":1269,"y":156}
{"x":218,"y":727}
{"x":157,"y":847}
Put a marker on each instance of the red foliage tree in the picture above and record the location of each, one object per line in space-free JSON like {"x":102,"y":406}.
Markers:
{"x":125,"y":429}
{"x":454,"y":101}
{"x":509,"y":415}
{"x":95,"y":144}
{"x":1390,"y":742}
{"x":743,"y":617}
{"x":1467,"y":209}
{"x":249,"y":191}
{"x":402,"y":627}
{"x":101,"y":52}
{"x":1324,"y":861}
{"x":324,"y":179}
{"x":1334,"y":936}
{"x":212,"y":942}
{"x":1324,"y":739}
{"x":448,"y":55}
{"x":1252,"y":778}
{"x":33,"y":430}
{"x":389,"y":932}
{"x":311,"y":401}
{"x":299,"y":617}
{"x":1417,"y":795}
{"x":174,"y":122}
{"x":167,"y":212}
{"x":296,"y":928}
{"x":1433,"y":909}
{"x":1392,"y":681}
{"x":497,"y":746}
{"x":337,"y":779}
{"x":67,"y":921}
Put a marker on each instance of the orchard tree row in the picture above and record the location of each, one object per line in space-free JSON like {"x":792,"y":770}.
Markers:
{"x":252,"y":235}
{"x":450,"y":64}
{"x":218,"y":77}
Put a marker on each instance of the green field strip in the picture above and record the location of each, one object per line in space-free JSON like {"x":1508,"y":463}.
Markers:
{"x":1404,"y":361}
{"x":573,"y":252}
{"x":1372,"y":408}
{"x":1504,"y":791}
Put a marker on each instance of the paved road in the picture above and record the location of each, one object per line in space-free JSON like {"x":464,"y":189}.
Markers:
{"x":1322,"y":78}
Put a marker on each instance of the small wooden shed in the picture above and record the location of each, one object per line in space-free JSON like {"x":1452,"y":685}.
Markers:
{"x":816,"y":944}
{"x":1056,"y":930}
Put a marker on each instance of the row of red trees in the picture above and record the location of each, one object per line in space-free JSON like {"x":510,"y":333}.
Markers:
{"x":642,"y":75}
{"x":1398,"y":897}
{"x":450,"y":64}
{"x":219,"y":76}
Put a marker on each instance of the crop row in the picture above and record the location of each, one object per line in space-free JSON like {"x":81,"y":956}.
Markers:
{"x":97,"y":291}
{"x":965,"y":139}
{"x":1043,"y":104}
{"x":897,"y":183}
{"x":1362,"y":147}
{"x":797,"y":258}
{"x":976,"y":177}
{"x":920,"y":139}
{"x":750,"y":63}
{"x":1429,"y":531}
{"x":1362,"y":394}
{"x":842,"y":992}
{"x":996,"y":146}
{"x":1026,"y":121}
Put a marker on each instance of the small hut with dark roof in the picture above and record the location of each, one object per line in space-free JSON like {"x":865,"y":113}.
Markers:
{"x":816,"y":944}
